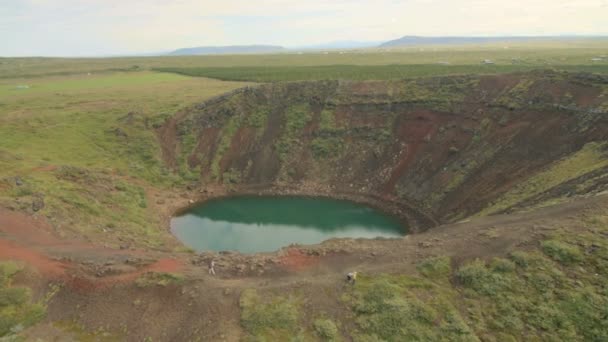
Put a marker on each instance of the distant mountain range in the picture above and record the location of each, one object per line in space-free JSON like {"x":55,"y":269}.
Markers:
{"x":251,"y":49}
{"x":227,"y":50}
{"x":340,"y":44}
{"x":345,"y":45}
{"x":416,"y":40}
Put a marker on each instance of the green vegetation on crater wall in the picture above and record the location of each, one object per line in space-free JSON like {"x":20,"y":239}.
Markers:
{"x":589,"y":158}
{"x":326,"y":147}
{"x":256,"y":118}
{"x":226,"y":135}
{"x":513,"y":99}
{"x":296,"y":118}
{"x":327,"y":121}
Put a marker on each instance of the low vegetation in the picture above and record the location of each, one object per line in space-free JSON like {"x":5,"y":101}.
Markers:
{"x":527,"y":54}
{"x":17,"y":310}
{"x":554,"y":292}
{"x":361,"y":72}
{"x":268,"y":319}
{"x":159,"y":279}
{"x":86,"y":145}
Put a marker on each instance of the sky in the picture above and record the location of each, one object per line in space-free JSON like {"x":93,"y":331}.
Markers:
{"x":114,"y":27}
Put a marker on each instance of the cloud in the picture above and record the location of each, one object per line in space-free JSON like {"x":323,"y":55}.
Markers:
{"x":86,"y":27}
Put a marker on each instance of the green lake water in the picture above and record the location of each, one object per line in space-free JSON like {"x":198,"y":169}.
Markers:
{"x":251,"y":224}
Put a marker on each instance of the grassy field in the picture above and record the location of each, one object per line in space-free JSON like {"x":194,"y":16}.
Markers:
{"x":367,"y":72}
{"x":537,"y":54}
{"x":86,"y":143}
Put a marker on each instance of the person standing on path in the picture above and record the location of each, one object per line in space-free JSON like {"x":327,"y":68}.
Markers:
{"x":351,"y":277}
{"x":212,"y":267}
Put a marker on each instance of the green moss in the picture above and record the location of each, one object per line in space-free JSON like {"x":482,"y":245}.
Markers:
{"x":258,"y":117}
{"x":327,"y":121}
{"x":514,"y":98}
{"x":326,"y":147}
{"x":296,"y":118}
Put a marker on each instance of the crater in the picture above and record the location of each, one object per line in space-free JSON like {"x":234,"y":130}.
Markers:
{"x":250,"y":224}
{"x":429,"y":151}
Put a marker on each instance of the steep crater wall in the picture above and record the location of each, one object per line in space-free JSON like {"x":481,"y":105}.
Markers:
{"x":437,"y":149}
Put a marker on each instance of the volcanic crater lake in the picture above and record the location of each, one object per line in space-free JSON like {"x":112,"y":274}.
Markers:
{"x":251,"y":224}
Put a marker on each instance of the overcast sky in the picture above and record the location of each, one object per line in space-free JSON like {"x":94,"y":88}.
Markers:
{"x":106,"y":27}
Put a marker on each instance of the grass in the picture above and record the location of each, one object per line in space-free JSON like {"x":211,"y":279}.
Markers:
{"x":363,"y":72}
{"x":435,"y":268}
{"x":541,"y":53}
{"x":270,"y":319}
{"x":87,"y":143}
{"x":17,"y":311}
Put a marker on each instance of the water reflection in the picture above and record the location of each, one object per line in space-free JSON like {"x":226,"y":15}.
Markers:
{"x":254,"y":224}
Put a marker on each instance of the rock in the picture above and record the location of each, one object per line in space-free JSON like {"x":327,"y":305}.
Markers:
{"x":191,"y":201}
{"x":160,"y":201}
{"x":38,"y":203}
{"x":453,"y":150}
{"x":424,"y":244}
{"x":18,"y":181}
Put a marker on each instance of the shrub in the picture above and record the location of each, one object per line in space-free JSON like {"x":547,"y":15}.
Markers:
{"x":260,"y":317}
{"x":159,"y":278}
{"x":16,"y":311}
{"x":435,"y":267}
{"x":521,"y":259}
{"x":502,"y":265}
{"x":477,"y":276}
{"x":326,"y":329}
{"x":14,"y":296}
{"x":561,"y":252}
{"x":325,"y":147}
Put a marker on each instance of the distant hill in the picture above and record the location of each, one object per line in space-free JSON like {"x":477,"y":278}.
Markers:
{"x":341,"y":44}
{"x":223,"y":50}
{"x":416,"y":40}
